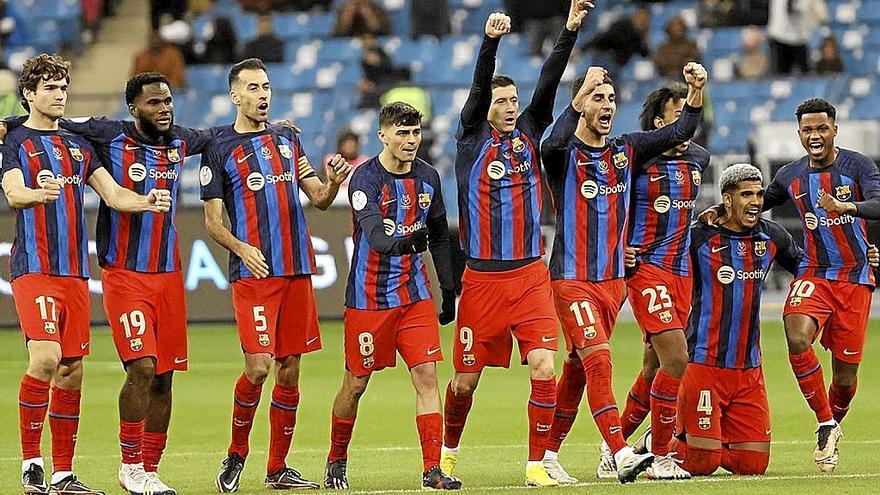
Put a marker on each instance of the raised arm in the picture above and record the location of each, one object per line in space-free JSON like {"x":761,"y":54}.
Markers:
{"x":540,"y":109}
{"x":554,"y":150}
{"x":476,"y":108}
{"x":322,"y":194}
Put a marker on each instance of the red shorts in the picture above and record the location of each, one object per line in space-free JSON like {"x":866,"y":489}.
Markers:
{"x":54,"y":308}
{"x":373,"y":336}
{"x":493,"y":306}
{"x":147,"y":314}
{"x":587,"y":310}
{"x":660,"y":300}
{"x":841,"y":311}
{"x":263,"y":306}
{"x":729,"y":405}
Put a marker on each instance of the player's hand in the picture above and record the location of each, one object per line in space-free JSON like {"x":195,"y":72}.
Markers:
{"x":577,"y":12}
{"x":695,"y":75}
{"x":159,"y":200}
{"x":254,"y":260}
{"x":447,"y":306}
{"x":629,"y":257}
{"x":873,"y":256}
{"x":337,"y":169}
{"x":830,"y":204}
{"x":593,"y":79}
{"x":497,"y":25}
{"x":710,"y":215}
{"x":49,"y":191}
{"x":417,"y":242}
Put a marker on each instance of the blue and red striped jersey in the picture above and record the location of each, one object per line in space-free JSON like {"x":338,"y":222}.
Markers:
{"x":405,"y":203}
{"x":835,"y":246}
{"x":591,"y":192}
{"x":258,"y":175}
{"x":729,"y":271}
{"x":50,"y":238}
{"x":663,"y":201}
{"x":143,"y":242}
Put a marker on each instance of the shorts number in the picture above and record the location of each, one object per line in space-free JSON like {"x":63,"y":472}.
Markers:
{"x":576,"y":309}
{"x":704,"y":405}
{"x":260,"y":323}
{"x":135,"y":320}
{"x":654,"y":293}
{"x":802,"y":288}
{"x":365,"y":343}
{"x":466,"y":337}
{"x":45,"y":303}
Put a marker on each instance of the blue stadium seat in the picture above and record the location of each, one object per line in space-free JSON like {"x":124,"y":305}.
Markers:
{"x":209,"y":78}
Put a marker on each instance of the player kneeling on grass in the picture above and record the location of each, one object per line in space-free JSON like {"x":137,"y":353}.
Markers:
{"x":398,"y":213}
{"x":723,"y":414}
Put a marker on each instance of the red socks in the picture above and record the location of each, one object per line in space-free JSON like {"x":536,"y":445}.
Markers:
{"x":664,"y":400}
{"x":282,"y":419}
{"x":33,"y":400}
{"x":597,"y":369}
{"x":430,"y":434}
{"x":638,"y":404}
{"x":64,"y":422}
{"x":542,"y":403}
{"x":569,"y":391}
{"x":154,"y":446}
{"x":131,"y":435}
{"x":745,"y":462}
{"x":456,"y":411}
{"x":340,"y":437}
{"x":808,"y":372}
{"x":840,"y":399}
{"x":247,"y":398}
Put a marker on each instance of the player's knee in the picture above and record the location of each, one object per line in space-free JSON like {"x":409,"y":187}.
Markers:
{"x":844,"y":379}
{"x":675,"y":364}
{"x":70,"y":370}
{"x":748,"y":462}
{"x":140,"y":372}
{"x":257,"y":370}
{"x":424,"y":376}
{"x":541,"y":365}
{"x":161,"y":385}
{"x":703,"y":462}
{"x":354,"y":389}
{"x":464,"y":386}
{"x":43,"y":367}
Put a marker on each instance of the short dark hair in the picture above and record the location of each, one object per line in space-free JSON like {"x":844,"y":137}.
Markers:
{"x":246,"y":64}
{"x":346,"y":135}
{"x":135,"y":86}
{"x":655,"y":103}
{"x":43,"y":67}
{"x":501,"y":81}
{"x":399,"y":113}
{"x":815,"y":105}
{"x":576,"y":85}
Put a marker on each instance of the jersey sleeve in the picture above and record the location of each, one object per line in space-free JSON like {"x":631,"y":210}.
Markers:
{"x":94,"y":161}
{"x":776,"y":193}
{"x":9,"y":152}
{"x":476,"y":107}
{"x":788,"y":253}
{"x":363,"y":195}
{"x":304,"y":168}
{"x":197,"y":140}
{"x":540,"y":109}
{"x":96,"y":130}
{"x":211,"y":175}
{"x":648,"y":144}
{"x":438,"y":236}
{"x":869,"y":183}
{"x":554,"y":150}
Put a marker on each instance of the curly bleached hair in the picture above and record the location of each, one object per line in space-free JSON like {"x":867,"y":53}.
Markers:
{"x":734,"y":174}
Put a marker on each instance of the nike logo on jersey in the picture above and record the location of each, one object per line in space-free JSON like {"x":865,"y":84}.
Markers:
{"x":582,"y":163}
{"x":718,"y":249}
{"x":129,"y":147}
{"x":311,"y":341}
{"x":767,"y":432}
{"x":178,"y":360}
{"x":847,"y":352}
{"x":801,"y":195}
{"x":433,"y":351}
{"x":35,"y":153}
{"x":388,"y":201}
{"x":548,"y":339}
{"x":655,"y":178}
{"x":83,"y":346}
{"x":244,"y":158}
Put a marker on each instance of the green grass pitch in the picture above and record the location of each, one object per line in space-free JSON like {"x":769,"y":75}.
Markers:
{"x":384,"y":455}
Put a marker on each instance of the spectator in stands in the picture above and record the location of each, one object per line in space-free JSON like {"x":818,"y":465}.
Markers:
{"x":221,"y":46}
{"x":752,"y":62}
{"x":7,"y":24}
{"x":677,"y":50}
{"x":162,"y":57}
{"x":790,"y":25}
{"x":718,"y":13}
{"x":177,"y":8}
{"x":348,"y":144}
{"x":264,"y":6}
{"x":358,"y":17}
{"x":625,"y":37}
{"x":380,"y":73}
{"x":829,"y":57}
{"x":430,"y":17}
{"x":180,"y":33}
{"x":10,"y":102}
{"x":540,"y":19}
{"x":266,"y":46}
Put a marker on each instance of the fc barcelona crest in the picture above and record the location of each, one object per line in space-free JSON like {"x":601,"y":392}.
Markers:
{"x":424,"y":201}
{"x":263,"y":339}
{"x":468,"y":359}
{"x":666,"y":316}
{"x":266,"y":152}
{"x":285,"y":151}
{"x":369,"y":362}
{"x":76,"y":154}
{"x":843,"y":192}
{"x":517,"y":144}
{"x":590,"y":332}
{"x":760,"y":248}
{"x":705,"y":423}
{"x":697,"y":177}
{"x":173,"y":155}
{"x":620,"y":160}
{"x":56,"y":151}
{"x":136,"y":344}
